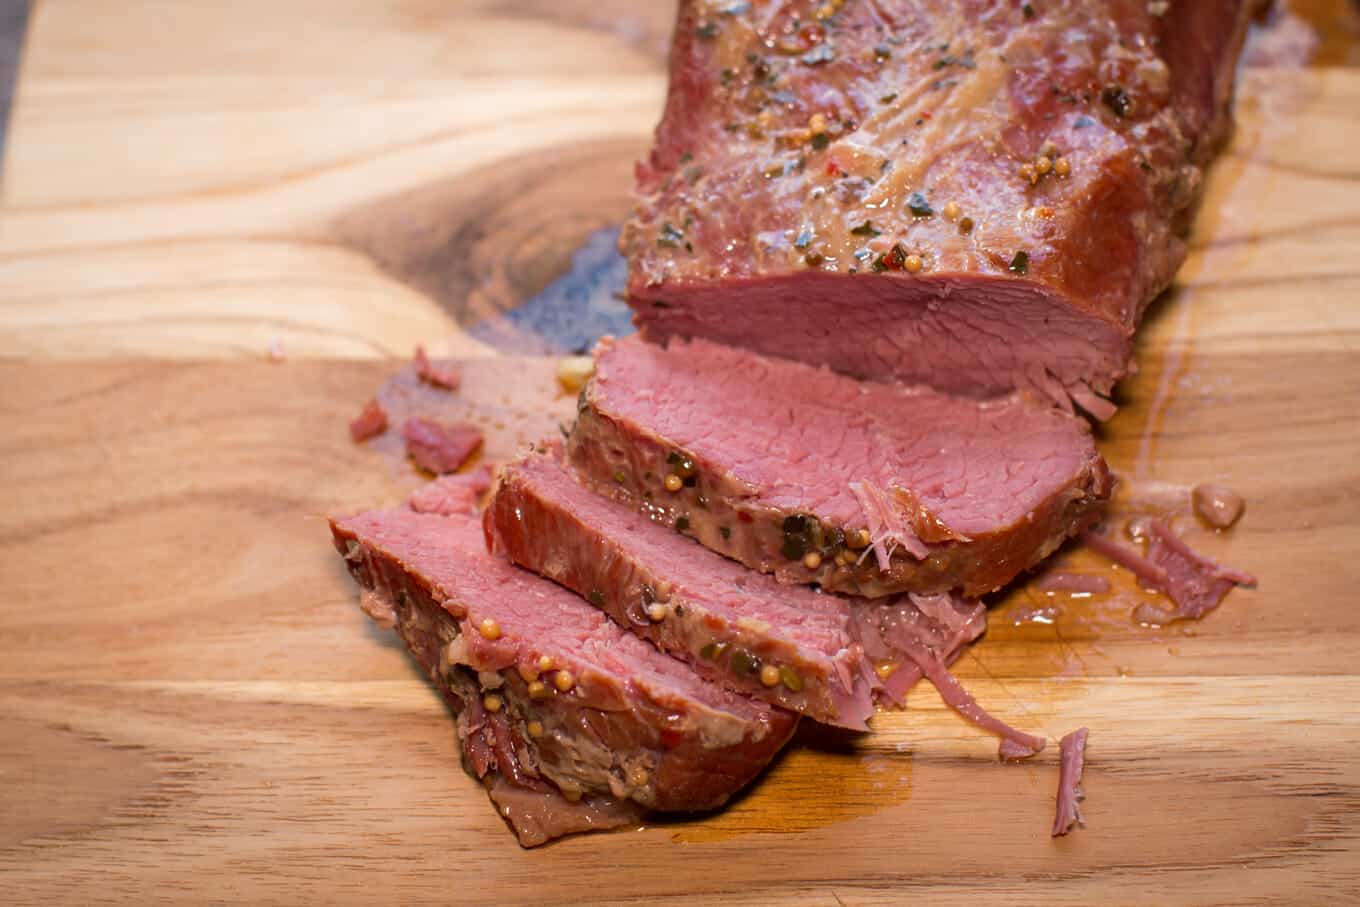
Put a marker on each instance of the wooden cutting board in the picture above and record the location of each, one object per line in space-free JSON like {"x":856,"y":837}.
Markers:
{"x":193,"y":709}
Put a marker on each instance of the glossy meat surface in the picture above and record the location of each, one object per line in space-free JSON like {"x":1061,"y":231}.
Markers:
{"x":981,"y":195}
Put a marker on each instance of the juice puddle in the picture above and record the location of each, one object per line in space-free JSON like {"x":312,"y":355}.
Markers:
{"x":825,"y":777}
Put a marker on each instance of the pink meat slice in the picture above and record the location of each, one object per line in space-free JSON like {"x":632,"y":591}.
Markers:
{"x":550,"y":694}
{"x":955,"y":493}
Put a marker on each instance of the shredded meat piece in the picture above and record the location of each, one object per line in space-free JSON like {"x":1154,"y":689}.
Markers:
{"x":1072,"y":750}
{"x":442,"y":376}
{"x":371,"y":422}
{"x":1194,"y":583}
{"x":1014,"y":744}
{"x":440,"y":447}
{"x":887,"y":528}
{"x":450,"y":494}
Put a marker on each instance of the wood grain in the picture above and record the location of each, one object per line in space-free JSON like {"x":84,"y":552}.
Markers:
{"x":193,"y":709}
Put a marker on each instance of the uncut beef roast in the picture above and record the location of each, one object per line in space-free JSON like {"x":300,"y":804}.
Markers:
{"x":574,"y":724}
{"x":862,"y":487}
{"x":978,"y":195}
{"x":823,"y":655}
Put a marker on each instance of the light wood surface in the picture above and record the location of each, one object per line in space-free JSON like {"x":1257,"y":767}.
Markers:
{"x":193,"y":709}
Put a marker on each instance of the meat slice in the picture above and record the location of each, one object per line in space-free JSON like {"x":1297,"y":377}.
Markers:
{"x":552,"y":698}
{"x":865,"y":488}
{"x":980,"y":195}
{"x":826,"y":656}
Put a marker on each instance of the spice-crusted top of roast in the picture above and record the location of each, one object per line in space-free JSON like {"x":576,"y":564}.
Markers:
{"x":987,"y":137}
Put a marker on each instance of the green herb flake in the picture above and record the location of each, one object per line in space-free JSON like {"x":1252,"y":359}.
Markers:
{"x":804,"y":238}
{"x":725,"y":532}
{"x":865,"y":229}
{"x":743,"y":662}
{"x":1028,"y":10}
{"x":620,"y":476}
{"x":682,"y":524}
{"x":596,"y":598}
{"x":918,"y":205}
{"x":1020,"y":263}
{"x":708,"y":31}
{"x":714,"y":651}
{"x":670,"y":237}
{"x":820,"y":141}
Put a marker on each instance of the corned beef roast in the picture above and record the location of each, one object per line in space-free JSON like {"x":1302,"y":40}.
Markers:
{"x":573,"y":723}
{"x":979,"y":195}
{"x":826,"y":656}
{"x":862,"y":487}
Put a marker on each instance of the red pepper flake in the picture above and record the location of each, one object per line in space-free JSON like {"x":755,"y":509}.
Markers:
{"x":440,"y":447}
{"x":925,"y":115}
{"x":833,"y":170}
{"x":371,"y":422}
{"x":441,"y":376}
{"x":745,"y":517}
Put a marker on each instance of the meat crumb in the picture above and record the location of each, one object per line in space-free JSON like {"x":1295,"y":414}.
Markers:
{"x":1072,"y":755}
{"x":371,"y":422}
{"x":440,"y":447}
{"x":452,"y":494}
{"x":1217,"y":506}
{"x":442,"y":376}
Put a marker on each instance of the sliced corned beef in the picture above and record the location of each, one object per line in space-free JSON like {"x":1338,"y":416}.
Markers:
{"x":823,"y":655}
{"x":979,"y":195}
{"x":865,"y":488}
{"x":575,"y":723}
